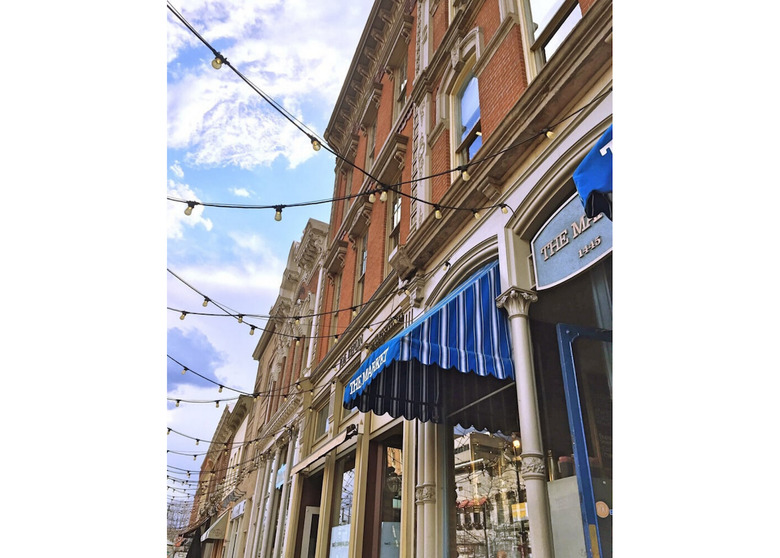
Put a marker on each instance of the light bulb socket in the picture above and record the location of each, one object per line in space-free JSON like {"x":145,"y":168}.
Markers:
{"x":252,"y":330}
{"x":183,"y":315}
{"x":205,"y":302}
{"x":316,"y":145}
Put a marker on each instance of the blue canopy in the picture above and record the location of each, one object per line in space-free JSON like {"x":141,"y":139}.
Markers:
{"x":593,"y":178}
{"x":455,"y":353}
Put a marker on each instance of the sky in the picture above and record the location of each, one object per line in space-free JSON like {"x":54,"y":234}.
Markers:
{"x":226,"y":144}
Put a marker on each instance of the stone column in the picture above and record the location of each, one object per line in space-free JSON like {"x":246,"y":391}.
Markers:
{"x":257,"y":502}
{"x":516,"y":302}
{"x":425,"y":491}
{"x":269,"y":488}
{"x":277,"y":552}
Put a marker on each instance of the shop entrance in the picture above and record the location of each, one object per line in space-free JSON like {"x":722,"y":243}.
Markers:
{"x":587,"y":382}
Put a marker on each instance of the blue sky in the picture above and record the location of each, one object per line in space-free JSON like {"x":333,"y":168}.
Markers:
{"x":225,"y":144}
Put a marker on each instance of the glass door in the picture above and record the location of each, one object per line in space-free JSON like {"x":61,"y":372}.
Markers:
{"x":586,"y":365}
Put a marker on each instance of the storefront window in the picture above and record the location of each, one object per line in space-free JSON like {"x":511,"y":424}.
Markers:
{"x":342,"y":507}
{"x":490,"y":516}
{"x":382,"y":536}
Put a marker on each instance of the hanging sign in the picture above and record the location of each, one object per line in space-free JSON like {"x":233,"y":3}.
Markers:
{"x":569,"y":243}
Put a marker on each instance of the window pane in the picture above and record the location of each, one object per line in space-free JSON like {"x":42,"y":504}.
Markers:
{"x":556,"y":40}
{"x":469,"y":107}
{"x":542,"y":12}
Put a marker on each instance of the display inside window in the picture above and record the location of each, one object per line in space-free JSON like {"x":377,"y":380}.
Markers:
{"x":490,"y":507}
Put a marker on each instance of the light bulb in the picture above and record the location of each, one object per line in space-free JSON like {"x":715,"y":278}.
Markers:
{"x":240,"y":319}
{"x":183,"y":315}
{"x":336,"y":337}
{"x":504,"y":209}
{"x":371,"y":197}
{"x":383,"y":196}
{"x":205,"y":302}
{"x":446,"y":266}
{"x":297,"y":320}
{"x":217,"y":402}
{"x":184,"y":371}
{"x":297,"y":341}
{"x":278,"y":216}
{"x":476,"y":214}
{"x":465,"y":174}
{"x":549,"y":133}
{"x":216,"y":63}
{"x":194,"y":457}
{"x":437,"y":213}
{"x":169,"y":432}
{"x":315,"y":144}
{"x":220,"y":389}
{"x":252,"y":330}
{"x":177,"y":402}
{"x":188,"y":211}
{"x":354,"y":312}
{"x":197,"y":441}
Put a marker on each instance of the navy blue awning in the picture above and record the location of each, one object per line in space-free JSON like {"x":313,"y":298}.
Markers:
{"x":593,"y":178}
{"x":455,"y":354}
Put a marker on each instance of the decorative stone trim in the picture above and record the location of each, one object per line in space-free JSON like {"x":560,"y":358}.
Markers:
{"x":425,"y":494}
{"x":516,"y":301}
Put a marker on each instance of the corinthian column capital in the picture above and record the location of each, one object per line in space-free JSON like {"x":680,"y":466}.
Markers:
{"x":516,"y":301}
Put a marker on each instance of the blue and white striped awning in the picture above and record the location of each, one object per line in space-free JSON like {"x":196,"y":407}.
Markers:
{"x":456,"y":353}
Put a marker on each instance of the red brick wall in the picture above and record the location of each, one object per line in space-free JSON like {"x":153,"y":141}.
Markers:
{"x":502,"y":82}
{"x":488,"y":20}
{"x":439,"y":23}
{"x":440,"y":161}
{"x":384,"y":117}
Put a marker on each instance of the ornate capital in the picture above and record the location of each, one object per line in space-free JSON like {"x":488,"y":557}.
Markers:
{"x":532,"y":468}
{"x":516,"y":301}
{"x":424,"y":494}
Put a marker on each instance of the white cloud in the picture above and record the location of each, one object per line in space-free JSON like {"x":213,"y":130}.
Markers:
{"x":176,"y":219}
{"x":241,"y":192}
{"x":292,"y":50}
{"x":177,"y":170}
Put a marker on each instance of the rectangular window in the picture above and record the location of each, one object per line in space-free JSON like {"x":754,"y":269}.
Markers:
{"x":552,"y":21}
{"x":395,"y":223}
{"x":321,"y":421}
{"x":360,"y":273}
{"x":334,"y":318}
{"x":470,"y":125}
{"x":343,"y":492}
{"x":370,"y":145}
{"x":400,"y":89}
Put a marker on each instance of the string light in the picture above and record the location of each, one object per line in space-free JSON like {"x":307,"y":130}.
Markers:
{"x":183,"y":315}
{"x":504,"y":208}
{"x":205,"y":302}
{"x":184,"y":371}
{"x":220,"y":389}
{"x":371,"y":197}
{"x":383,"y":196}
{"x":188,"y":210}
{"x":252,"y":330}
{"x":549,"y":133}
{"x":354,"y":311}
{"x":316,"y":145}
{"x":217,"y":402}
{"x":446,"y":266}
{"x":464,"y":173}
{"x":240,"y":319}
{"x":217,"y":62}
{"x":197,"y":441}
{"x":278,"y":216}
{"x":476,"y":213}
{"x":177,"y":402}
{"x":437,"y":212}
